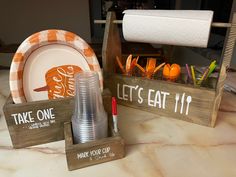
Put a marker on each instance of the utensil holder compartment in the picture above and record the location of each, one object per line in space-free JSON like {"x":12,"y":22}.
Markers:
{"x":175,"y":100}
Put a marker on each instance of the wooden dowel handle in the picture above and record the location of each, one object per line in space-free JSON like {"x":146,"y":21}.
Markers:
{"x":99,"y":21}
{"x":221,"y":25}
{"x":214,"y":24}
{"x":104,"y":21}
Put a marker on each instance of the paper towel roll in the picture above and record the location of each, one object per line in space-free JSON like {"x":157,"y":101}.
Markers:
{"x":173,"y":27}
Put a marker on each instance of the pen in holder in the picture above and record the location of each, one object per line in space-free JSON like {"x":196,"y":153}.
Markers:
{"x":89,"y":121}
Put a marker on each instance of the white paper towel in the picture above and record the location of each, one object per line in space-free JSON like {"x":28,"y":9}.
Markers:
{"x":173,"y":27}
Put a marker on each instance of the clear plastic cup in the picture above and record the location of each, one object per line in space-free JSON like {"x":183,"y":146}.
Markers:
{"x":89,"y":121}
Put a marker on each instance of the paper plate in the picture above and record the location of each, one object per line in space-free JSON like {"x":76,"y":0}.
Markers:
{"x":44,"y":65}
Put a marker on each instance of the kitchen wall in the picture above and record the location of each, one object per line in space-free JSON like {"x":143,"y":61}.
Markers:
{"x":21,"y":18}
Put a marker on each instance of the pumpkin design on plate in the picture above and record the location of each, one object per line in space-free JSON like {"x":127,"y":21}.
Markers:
{"x":171,"y":72}
{"x":60,"y":81}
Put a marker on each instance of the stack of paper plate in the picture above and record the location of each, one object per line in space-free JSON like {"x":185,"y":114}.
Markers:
{"x":45,"y":64}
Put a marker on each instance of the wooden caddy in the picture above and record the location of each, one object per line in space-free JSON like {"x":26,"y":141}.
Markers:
{"x":136,"y":92}
{"x":37,"y":131}
{"x":43,"y":121}
{"x":94,"y":152}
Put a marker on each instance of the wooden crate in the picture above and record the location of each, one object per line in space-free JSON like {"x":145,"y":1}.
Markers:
{"x":94,"y":152}
{"x":158,"y":96}
{"x":40,"y":122}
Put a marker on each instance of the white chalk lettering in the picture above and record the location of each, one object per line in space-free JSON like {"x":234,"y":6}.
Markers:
{"x":23,"y":118}
{"x":45,"y":114}
{"x":15,"y":118}
{"x":125,"y":96}
{"x":106,"y":150}
{"x":151,"y":97}
{"x":127,"y":92}
{"x":140,"y":99}
{"x":83,"y":155}
{"x":131,"y":91}
{"x":157,"y":99}
{"x":150,"y":101}
{"x":118,"y":92}
{"x":165,"y":94}
{"x":96,"y":154}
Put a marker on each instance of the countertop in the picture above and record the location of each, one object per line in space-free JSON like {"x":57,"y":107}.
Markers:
{"x":155,"y":146}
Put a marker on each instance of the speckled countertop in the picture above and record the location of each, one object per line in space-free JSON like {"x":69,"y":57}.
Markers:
{"x":155,"y":146}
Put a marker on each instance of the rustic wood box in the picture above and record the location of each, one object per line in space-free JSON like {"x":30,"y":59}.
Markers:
{"x":159,"y":96}
{"x":40,"y":122}
{"x":94,"y":152}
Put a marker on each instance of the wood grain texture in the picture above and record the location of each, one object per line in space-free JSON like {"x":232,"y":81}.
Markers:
{"x":226,"y":60}
{"x":23,"y":135}
{"x":199,"y":109}
{"x":91,"y":153}
{"x":111,"y":41}
{"x":219,"y":93}
{"x":205,"y":102}
{"x":227,"y":51}
{"x":94,"y":152}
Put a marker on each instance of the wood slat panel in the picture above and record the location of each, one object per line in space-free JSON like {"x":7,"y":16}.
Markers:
{"x":200,"y":108}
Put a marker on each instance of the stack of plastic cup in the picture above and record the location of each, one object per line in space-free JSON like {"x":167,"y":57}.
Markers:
{"x":89,"y":121}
